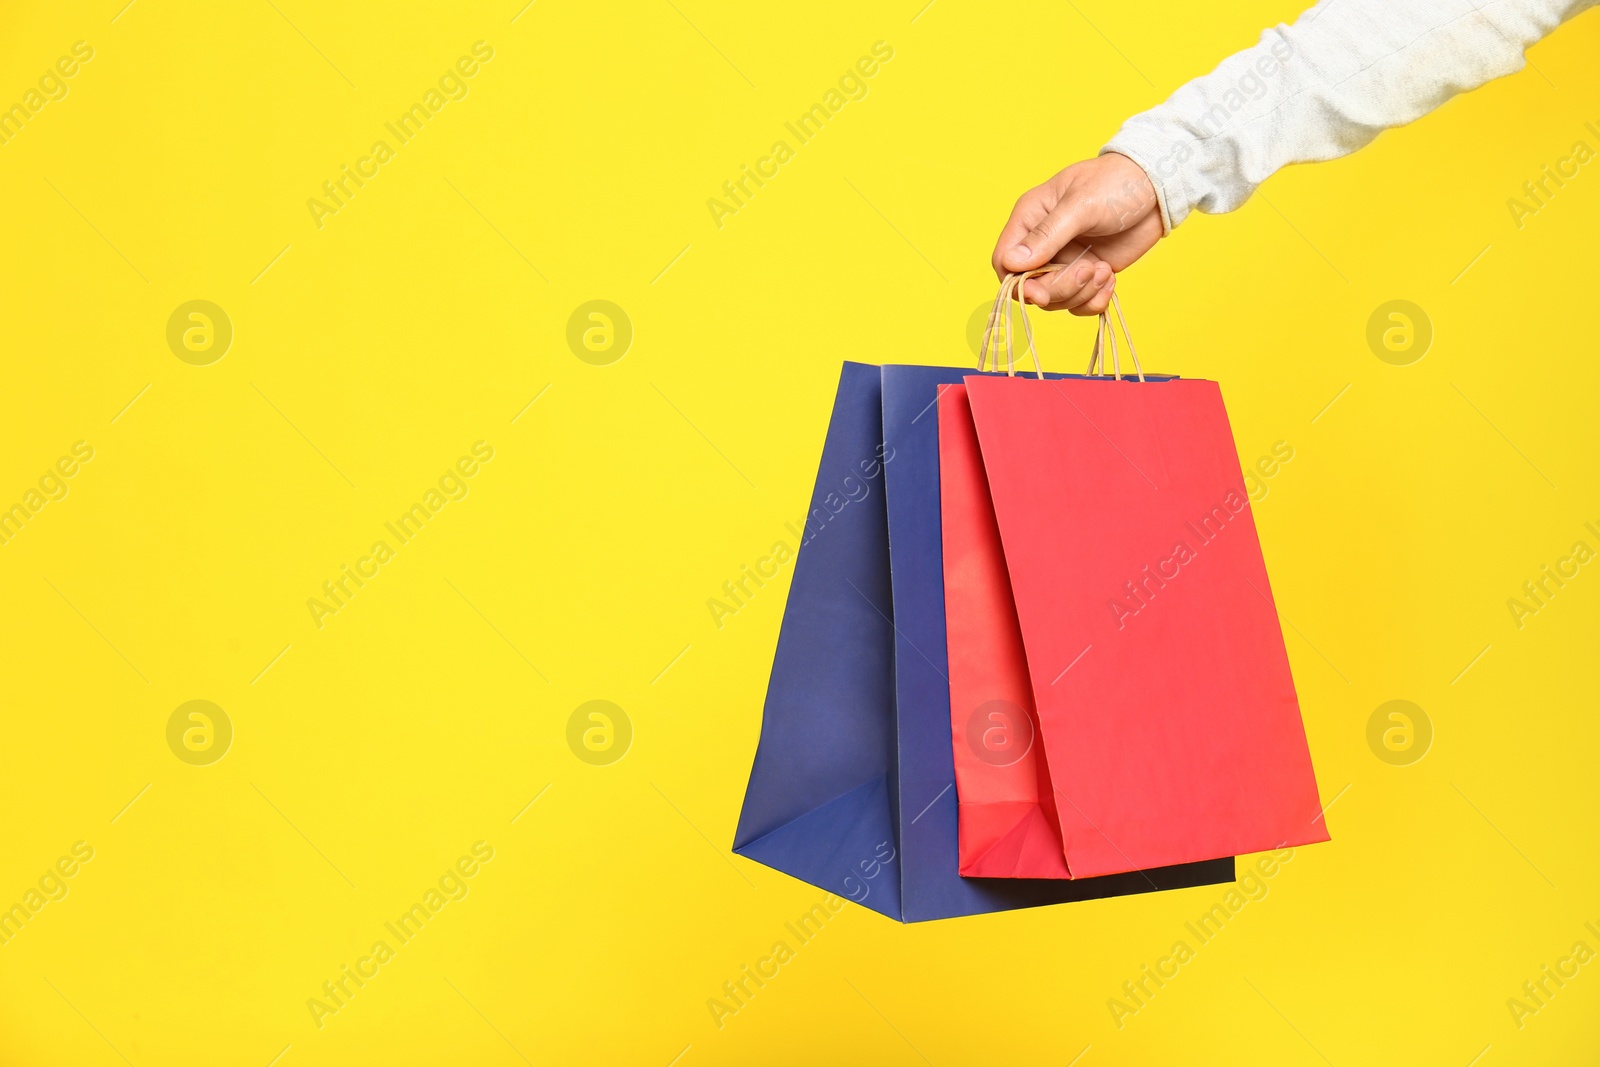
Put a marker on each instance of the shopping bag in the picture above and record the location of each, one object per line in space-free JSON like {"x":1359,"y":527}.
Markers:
{"x":1165,"y":706}
{"x":851,"y":786}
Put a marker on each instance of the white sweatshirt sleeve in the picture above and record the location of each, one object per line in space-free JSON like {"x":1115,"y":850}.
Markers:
{"x":1322,"y":88}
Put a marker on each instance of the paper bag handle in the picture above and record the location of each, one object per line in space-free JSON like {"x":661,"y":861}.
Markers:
{"x":1011,"y":286}
{"x":1103,"y":329}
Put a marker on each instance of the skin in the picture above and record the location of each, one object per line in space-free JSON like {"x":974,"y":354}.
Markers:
{"x":1099,"y":215}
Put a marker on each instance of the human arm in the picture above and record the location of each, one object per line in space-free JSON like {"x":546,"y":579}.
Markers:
{"x":1319,"y":89}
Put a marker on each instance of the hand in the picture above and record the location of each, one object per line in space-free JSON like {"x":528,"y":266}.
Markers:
{"x":1099,"y":215}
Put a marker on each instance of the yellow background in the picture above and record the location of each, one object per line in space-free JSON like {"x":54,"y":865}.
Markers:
{"x":371,"y":753}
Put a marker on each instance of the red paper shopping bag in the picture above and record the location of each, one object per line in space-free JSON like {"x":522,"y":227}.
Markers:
{"x":1165,"y":706}
{"x":1007,"y":819}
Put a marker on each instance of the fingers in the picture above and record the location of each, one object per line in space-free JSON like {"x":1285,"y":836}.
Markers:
{"x":1095,"y":201}
{"x":1071,"y":287}
{"x":1041,"y":225}
{"x":1075,"y":268}
{"x":1108,"y":200}
{"x":1097,"y":298}
{"x":1033,"y":206}
{"x":1101,"y":300}
{"x":1044,"y":238}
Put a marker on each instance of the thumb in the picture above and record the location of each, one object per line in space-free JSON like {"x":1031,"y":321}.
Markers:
{"x":1049,"y":236}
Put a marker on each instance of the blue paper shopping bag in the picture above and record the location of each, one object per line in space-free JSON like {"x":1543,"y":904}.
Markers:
{"x":852,"y":788}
